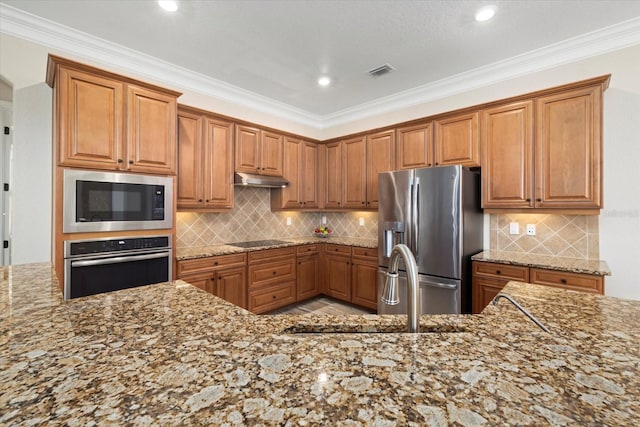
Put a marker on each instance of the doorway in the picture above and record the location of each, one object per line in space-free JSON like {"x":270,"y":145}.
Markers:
{"x":6,"y":144}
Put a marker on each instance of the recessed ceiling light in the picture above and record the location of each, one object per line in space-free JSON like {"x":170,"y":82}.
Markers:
{"x":485,"y":13}
{"x":168,"y":5}
{"x":324,"y":81}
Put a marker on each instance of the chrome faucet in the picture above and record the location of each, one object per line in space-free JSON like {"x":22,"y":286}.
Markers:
{"x":390,"y":290}
{"x":521,"y":308}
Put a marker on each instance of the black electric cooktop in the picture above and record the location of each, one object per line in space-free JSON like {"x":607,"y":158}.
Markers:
{"x":258,"y":243}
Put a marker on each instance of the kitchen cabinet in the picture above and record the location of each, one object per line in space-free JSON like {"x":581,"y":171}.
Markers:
{"x":489,"y":278}
{"x":354,"y":173}
{"x":364,"y":273}
{"x":258,"y":151}
{"x":545,"y":152}
{"x":272,"y":279}
{"x":414,"y":146}
{"x":457,"y":140}
{"x":380,"y":158}
{"x":109,"y":122}
{"x":205,"y":162}
{"x":308,"y":272}
{"x":333,"y":175}
{"x":301,"y":170}
{"x":337,"y":270}
{"x":224,"y":276}
{"x":507,"y":155}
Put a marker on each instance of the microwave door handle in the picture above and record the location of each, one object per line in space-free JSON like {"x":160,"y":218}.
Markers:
{"x":115,"y":260}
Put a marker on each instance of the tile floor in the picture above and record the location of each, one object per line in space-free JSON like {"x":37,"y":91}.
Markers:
{"x":321,"y":305}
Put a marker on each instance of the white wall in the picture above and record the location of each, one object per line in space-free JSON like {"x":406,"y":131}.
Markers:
{"x":31,"y":175}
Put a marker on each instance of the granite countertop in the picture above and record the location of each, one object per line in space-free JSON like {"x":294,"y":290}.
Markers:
{"x":225,"y":249}
{"x":573,"y":265}
{"x":171,"y":354}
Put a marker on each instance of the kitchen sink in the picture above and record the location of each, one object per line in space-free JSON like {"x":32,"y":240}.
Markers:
{"x":367,"y":329}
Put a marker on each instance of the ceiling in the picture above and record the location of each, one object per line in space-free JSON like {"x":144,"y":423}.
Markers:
{"x":276,"y":50}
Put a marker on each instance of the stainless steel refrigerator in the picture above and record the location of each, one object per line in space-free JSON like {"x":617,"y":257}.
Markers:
{"x":436,"y":213}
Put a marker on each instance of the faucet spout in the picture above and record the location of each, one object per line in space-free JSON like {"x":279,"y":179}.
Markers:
{"x":521,"y":308}
{"x":390,"y":292}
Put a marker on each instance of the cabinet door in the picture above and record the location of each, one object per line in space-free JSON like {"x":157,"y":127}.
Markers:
{"x":333,"y":175}
{"x":293,"y":158}
{"x":309,"y":176}
{"x":507,"y":156}
{"x":414,"y":147}
{"x":380,"y":158}
{"x":190,"y":161}
{"x":151,"y":131}
{"x":272,"y":147}
{"x":457,"y":140}
{"x":363,"y":284}
{"x":354,"y":173}
{"x":247,"y":149}
{"x":308,"y":273}
{"x":569,"y":149}
{"x":338,"y":277}
{"x":232,"y":285}
{"x":204,"y":281}
{"x":90,"y":112}
{"x":484,"y":290}
{"x":218,"y":165}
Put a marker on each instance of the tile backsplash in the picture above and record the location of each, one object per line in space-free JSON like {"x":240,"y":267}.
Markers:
{"x":572,"y":236}
{"x":251,"y":219}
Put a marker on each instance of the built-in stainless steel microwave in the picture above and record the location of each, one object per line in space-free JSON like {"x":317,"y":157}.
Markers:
{"x":108,"y":201}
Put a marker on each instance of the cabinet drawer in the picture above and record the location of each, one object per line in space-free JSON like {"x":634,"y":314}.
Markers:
{"x":269,"y":255}
{"x":574,"y":281}
{"x":337,"y":249}
{"x":307,"y":249}
{"x":369,"y":254}
{"x":274,"y":272}
{"x":272,"y":297}
{"x":200,"y":265}
{"x":501,"y":271}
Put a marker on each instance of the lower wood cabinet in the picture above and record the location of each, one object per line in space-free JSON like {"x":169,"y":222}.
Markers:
{"x":224,"y":276}
{"x":272,"y":279}
{"x":308,"y":272}
{"x":489,"y":278}
{"x":350,"y":274}
{"x":337,"y":269}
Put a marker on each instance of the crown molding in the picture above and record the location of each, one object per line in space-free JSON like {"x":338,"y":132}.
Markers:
{"x":18,"y":23}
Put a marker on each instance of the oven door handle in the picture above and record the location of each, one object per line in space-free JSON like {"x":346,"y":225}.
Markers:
{"x":115,"y":260}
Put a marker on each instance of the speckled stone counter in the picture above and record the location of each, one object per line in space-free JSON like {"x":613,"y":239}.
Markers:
{"x":225,"y":249}
{"x":573,"y":265}
{"x":171,"y":354}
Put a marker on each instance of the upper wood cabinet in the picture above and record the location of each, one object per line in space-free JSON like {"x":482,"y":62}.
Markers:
{"x":569,"y":149}
{"x":550,"y":158}
{"x":354,"y":167}
{"x":507,"y":155}
{"x":414,"y":147}
{"x":333,"y":175}
{"x":105,"y":121}
{"x":205,"y":162}
{"x":380,"y":158}
{"x":259,"y":151}
{"x":301,"y":170}
{"x":457,"y":140}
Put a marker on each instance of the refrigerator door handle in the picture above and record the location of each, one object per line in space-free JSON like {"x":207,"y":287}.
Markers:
{"x":415,"y":220}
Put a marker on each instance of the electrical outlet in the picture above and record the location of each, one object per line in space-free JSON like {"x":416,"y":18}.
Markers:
{"x":324,"y":220}
{"x":531,"y":229}
{"x":361,"y":222}
{"x":288,"y":220}
{"x":514,"y":228}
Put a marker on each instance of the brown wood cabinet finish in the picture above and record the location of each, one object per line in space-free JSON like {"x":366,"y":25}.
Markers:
{"x":457,"y":140}
{"x":271,"y":154}
{"x":205,"y":163}
{"x":272,"y":279}
{"x":380,"y":158}
{"x":337,"y":270}
{"x":354,"y":183}
{"x":574,"y":281}
{"x":333,"y":175}
{"x":258,"y":151}
{"x":364,"y":272}
{"x":507,"y":156}
{"x":301,"y":170}
{"x":414,"y":147}
{"x":308,"y":272}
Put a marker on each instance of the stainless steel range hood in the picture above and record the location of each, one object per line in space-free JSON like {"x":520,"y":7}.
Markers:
{"x":253,"y":180}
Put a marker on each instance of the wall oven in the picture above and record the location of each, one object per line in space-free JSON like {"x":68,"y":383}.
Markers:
{"x":111,"y":264}
{"x":110,"y":201}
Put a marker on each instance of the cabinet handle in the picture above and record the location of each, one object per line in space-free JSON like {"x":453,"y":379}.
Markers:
{"x":528,"y":199}
{"x":207,"y":200}
{"x":199,"y":200}
{"x":538,"y":200}
{"x":563,"y":281}
{"x":119,"y":160}
{"x":274,"y":297}
{"x":130,"y":162}
{"x":363,"y":203}
{"x":299,"y":262}
{"x":215,"y":263}
{"x":436,"y":163}
{"x":274,"y":273}
{"x":428,"y":164}
{"x":498,"y":272}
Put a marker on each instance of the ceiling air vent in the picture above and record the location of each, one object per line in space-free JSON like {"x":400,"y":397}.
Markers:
{"x":381,"y":70}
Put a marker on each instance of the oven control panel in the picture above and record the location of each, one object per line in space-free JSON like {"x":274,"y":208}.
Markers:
{"x":85,"y":247}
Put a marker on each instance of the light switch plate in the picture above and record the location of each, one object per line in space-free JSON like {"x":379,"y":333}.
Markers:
{"x":514,"y":228}
{"x":324,"y":220}
{"x":288,"y":220}
{"x":361,"y":222}
{"x":531,"y":229}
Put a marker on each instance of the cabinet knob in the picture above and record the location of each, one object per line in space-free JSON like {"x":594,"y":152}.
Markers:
{"x":130,"y":162}
{"x":274,"y":297}
{"x":200,"y":200}
{"x":538,"y":200}
{"x":220,"y":278}
{"x":215,"y":263}
{"x":363,"y":203}
{"x":274,"y":273}
{"x":299,"y":263}
{"x":207,"y":200}
{"x":498,"y":272}
{"x":528,"y":199}
{"x":436,"y":163}
{"x":119,"y":160}
{"x":366,"y":253}
{"x":563,"y":281}
{"x":428,"y":164}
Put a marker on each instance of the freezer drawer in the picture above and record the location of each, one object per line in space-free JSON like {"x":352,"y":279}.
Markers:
{"x":437,"y":295}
